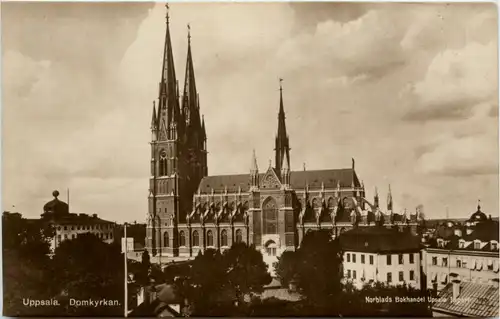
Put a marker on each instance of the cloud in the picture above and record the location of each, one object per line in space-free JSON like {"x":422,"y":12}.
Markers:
{"x":457,"y":81}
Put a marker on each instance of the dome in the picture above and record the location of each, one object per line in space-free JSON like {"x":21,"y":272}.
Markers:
{"x":478,"y":216}
{"x":56,"y":206}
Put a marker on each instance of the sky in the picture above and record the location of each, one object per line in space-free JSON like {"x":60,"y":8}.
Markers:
{"x":410,"y":91}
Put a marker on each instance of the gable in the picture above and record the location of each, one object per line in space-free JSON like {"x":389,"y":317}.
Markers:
{"x":270,"y":180}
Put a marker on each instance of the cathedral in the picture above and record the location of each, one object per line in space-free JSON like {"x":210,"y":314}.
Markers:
{"x":271,"y":208}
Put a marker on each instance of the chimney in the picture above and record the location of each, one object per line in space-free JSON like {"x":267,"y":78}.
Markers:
{"x":456,"y":288}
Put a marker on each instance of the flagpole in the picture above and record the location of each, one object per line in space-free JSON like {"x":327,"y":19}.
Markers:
{"x":126,"y":271}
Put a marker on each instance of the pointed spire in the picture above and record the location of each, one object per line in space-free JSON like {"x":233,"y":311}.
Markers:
{"x":282,"y":145}
{"x":375,"y":198}
{"x":168,"y":104}
{"x":153,"y":119}
{"x":253,"y":165}
{"x":389,"y":199}
{"x":190,"y":104}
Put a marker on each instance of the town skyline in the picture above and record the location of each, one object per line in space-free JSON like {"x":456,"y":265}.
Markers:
{"x":421,"y":116}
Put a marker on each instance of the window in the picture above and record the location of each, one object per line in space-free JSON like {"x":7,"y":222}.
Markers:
{"x":353,"y":258}
{"x":400,"y":258}
{"x":459,"y":263}
{"x":65,"y":227}
{"x":348,"y":273}
{"x":210,"y":238}
{"x":445,"y":262}
{"x":477,"y":245}
{"x":494,"y":245}
{"x":363,"y":258}
{"x":412,"y":258}
{"x":412,"y":275}
{"x":58,"y":238}
{"x":270,"y":217}
{"x":65,"y":236}
{"x":434,"y":261}
{"x":464,"y":264}
{"x":371,"y":260}
{"x":196,"y":239}
{"x":389,"y":259}
{"x":354,"y":274}
{"x":73,"y":236}
{"x":110,"y":235}
{"x":72,"y":227}
{"x":182,"y":239}
{"x":348,"y":257}
{"x":271,"y":248}
{"x":223,"y":238}
{"x":389,"y":277}
{"x":239,"y":236}
{"x":166,"y":240}
{"x":461,"y":244}
{"x":401,"y":276}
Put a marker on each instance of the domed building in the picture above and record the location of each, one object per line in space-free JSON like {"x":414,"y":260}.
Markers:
{"x":467,"y":251}
{"x":70,"y":225}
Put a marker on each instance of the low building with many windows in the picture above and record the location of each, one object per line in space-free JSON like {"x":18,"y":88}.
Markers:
{"x":69,"y":225}
{"x":380,"y":254}
{"x":468,"y":251}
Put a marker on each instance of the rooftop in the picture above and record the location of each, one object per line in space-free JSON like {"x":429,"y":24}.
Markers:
{"x":481,"y":300}
{"x":378,"y":240}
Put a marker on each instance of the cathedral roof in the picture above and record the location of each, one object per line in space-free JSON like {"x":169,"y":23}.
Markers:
{"x":298,"y":180}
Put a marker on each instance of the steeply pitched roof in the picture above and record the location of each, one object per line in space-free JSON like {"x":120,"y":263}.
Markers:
{"x":482,"y":300}
{"x":378,"y":240}
{"x":328,"y":177}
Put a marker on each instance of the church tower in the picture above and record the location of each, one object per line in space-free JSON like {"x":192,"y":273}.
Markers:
{"x":282,"y":145}
{"x":178,"y":155}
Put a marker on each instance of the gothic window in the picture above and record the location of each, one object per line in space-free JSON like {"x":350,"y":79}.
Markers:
{"x":331,"y":203}
{"x":182,"y":239}
{"x":196,"y":239}
{"x":163,"y":163}
{"x":270,"y":217}
{"x":166,"y":241}
{"x":210,"y":238}
{"x":239,"y":236}
{"x":223,"y":238}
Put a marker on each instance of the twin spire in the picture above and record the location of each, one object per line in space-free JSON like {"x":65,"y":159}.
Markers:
{"x":169,"y":119}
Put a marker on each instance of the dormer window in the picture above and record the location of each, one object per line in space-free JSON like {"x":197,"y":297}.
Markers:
{"x":477,"y":244}
{"x":461,"y":244}
{"x":440,"y":242}
{"x":494,"y":245}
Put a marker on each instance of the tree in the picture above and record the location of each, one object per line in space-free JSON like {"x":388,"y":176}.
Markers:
{"x":286,"y":267}
{"x":26,"y":264}
{"x":316,"y":267}
{"x":246,"y":270}
{"x":86,"y":268}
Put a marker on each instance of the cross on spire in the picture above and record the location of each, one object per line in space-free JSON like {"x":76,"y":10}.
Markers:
{"x":281,"y":86}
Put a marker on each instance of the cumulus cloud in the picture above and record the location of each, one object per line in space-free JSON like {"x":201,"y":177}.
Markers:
{"x":456,"y":82}
{"x":78,"y":95}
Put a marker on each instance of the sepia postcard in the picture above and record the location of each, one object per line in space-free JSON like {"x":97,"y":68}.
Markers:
{"x":250,"y":159}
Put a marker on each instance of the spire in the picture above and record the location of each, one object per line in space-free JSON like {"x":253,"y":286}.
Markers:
{"x":389,"y":199}
{"x":153,"y":119}
{"x":190,"y":101}
{"x":282,"y":148}
{"x":203,"y":132}
{"x":168,"y":104}
{"x":375,"y":198}
{"x":253,"y":165}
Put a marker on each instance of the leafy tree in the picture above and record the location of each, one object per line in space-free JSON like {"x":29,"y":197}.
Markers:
{"x":316,"y":267}
{"x":246,"y":270}
{"x":286,"y":267}
{"x":87,"y":268}
{"x":26,"y":264}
